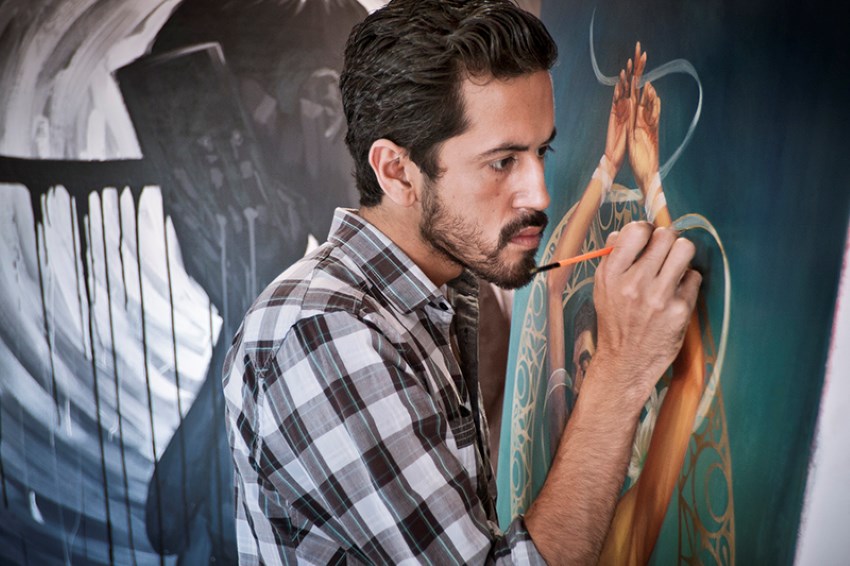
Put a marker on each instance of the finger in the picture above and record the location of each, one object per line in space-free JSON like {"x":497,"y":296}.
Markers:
{"x":646,"y":94}
{"x":689,"y":287}
{"x":656,"y":110}
{"x":678,"y":261}
{"x":655,"y":255}
{"x":623,"y":84}
{"x":640,"y":64}
{"x":650,"y":94}
{"x":618,"y":90}
{"x":629,"y":244}
{"x":637,"y":53}
{"x":648,"y":105}
{"x":630,"y":77}
{"x":649,"y":90}
{"x":610,"y":241}
{"x":633,"y":103}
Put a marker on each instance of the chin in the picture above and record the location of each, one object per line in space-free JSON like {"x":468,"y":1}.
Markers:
{"x":511,"y":276}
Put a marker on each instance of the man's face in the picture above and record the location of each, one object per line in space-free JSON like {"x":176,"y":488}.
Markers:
{"x":485,"y":211}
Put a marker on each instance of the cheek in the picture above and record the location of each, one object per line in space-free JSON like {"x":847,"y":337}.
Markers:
{"x":478,"y":198}
{"x":494,"y":205}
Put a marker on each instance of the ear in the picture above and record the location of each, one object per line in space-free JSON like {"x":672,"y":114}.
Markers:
{"x":390,"y":164}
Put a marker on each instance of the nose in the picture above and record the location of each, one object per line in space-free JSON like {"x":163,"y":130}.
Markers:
{"x":531,"y":190}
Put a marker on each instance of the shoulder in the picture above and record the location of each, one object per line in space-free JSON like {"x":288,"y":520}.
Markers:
{"x":326,"y":287}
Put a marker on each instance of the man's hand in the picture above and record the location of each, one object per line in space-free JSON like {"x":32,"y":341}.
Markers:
{"x":644,"y":294}
{"x":643,"y":127}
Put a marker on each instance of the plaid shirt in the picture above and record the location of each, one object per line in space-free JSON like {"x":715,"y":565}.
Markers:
{"x":355,"y":430}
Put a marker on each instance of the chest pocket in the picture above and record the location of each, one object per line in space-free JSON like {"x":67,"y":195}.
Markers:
{"x":461,"y":422}
{"x":453,"y":398}
{"x":464,"y":435}
{"x":463,"y":427}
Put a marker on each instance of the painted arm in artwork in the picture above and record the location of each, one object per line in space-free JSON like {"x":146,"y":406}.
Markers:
{"x":569,"y":244}
{"x":640,"y":513}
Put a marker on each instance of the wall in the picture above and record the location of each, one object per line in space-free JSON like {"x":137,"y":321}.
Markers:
{"x":824,"y":533}
{"x":160,"y":163}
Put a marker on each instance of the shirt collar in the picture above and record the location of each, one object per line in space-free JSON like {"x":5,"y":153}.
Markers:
{"x":384,"y":264}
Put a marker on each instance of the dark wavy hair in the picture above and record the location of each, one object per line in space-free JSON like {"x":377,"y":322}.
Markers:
{"x":585,"y":319}
{"x":405,"y":64}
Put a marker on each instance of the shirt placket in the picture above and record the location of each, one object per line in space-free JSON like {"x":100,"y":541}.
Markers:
{"x":443,"y":317}
{"x":465,"y":299}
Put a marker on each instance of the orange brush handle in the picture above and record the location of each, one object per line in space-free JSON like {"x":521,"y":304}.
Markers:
{"x":579,"y":258}
{"x":584,"y":257}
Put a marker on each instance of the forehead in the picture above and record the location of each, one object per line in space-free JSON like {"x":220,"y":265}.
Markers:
{"x":517,"y":110}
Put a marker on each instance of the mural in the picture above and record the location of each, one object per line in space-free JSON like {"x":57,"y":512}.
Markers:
{"x":722,"y":436}
{"x":161,"y":162}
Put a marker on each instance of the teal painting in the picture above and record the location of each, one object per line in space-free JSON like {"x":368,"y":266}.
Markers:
{"x":749,"y":102}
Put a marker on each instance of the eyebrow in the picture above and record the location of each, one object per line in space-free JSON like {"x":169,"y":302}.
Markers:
{"x":514,"y":146}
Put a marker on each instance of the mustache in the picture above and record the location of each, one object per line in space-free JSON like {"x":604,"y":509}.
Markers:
{"x":512,"y":228}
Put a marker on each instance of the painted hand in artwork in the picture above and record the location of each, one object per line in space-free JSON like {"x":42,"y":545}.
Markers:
{"x":643,"y":128}
{"x":570,"y":242}
{"x":618,"y":122}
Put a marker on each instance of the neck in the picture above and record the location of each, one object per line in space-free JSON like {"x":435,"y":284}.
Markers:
{"x":401,"y":225}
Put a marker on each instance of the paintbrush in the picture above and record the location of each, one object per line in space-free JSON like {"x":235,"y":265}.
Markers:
{"x":569,"y":261}
{"x":682,"y":224}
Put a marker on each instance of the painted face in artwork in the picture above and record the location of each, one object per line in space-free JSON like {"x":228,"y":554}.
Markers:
{"x":583,"y":350}
{"x":485,"y":211}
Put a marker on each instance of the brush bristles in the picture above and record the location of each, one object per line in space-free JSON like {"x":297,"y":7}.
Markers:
{"x":543,"y":268}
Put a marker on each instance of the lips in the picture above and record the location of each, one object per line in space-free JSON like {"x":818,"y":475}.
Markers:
{"x":531,"y":231}
{"x":528,"y":237}
{"x":524,"y":231}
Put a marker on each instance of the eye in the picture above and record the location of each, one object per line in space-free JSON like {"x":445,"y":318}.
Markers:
{"x":503,"y":164}
{"x":544,"y":149}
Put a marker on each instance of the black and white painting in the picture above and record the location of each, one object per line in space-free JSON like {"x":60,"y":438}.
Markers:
{"x":160,"y":162}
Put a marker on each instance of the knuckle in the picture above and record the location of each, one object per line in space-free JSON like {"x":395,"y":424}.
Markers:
{"x":680,"y":310}
{"x":695,"y":276}
{"x":665,"y":234}
{"x":630,"y":292}
{"x":661,"y":301}
{"x":639,"y":227}
{"x":657,"y":303}
{"x":686,"y":246}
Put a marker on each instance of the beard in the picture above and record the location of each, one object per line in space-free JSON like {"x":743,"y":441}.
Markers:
{"x":461,"y":241}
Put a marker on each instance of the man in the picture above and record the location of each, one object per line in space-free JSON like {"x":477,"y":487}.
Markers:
{"x":351,"y":387}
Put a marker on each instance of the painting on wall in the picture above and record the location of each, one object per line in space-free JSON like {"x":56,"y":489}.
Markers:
{"x":721,"y":452}
{"x":160,"y":162}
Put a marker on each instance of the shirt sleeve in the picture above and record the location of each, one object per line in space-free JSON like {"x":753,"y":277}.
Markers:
{"x":352,"y":439}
